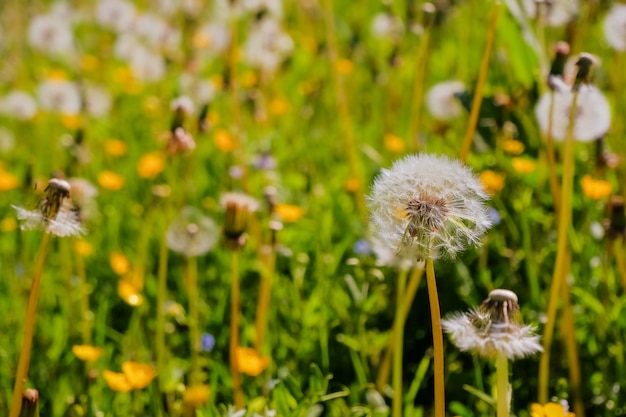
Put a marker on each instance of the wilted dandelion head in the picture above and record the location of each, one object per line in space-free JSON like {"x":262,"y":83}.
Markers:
{"x":238,"y":208}
{"x":55,"y":213}
{"x":493,"y":328}
{"x":192,"y":233}
{"x":426,"y":206}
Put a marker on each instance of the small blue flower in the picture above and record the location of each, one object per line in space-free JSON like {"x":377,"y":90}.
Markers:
{"x":362,"y":247}
{"x":494,"y":216}
{"x":208,"y":342}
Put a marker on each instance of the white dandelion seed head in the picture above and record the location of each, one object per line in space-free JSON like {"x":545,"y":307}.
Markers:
{"x":117,"y":15}
{"x":217,"y":35}
{"x":184,"y":104}
{"x":442,"y":102}
{"x":615,"y":27}
{"x":65,"y":223}
{"x":59,"y":96}
{"x":51,"y":34}
{"x":19,"y":105}
{"x":475,"y":332}
{"x":593,"y":112}
{"x":267,"y":45}
{"x":192,"y":233}
{"x":97,"y":100}
{"x":387,"y":26}
{"x":552,"y":13}
{"x":201,"y":90}
{"x":147,"y":66}
{"x":426,"y":206}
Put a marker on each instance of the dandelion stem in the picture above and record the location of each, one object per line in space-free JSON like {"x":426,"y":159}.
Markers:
{"x":418,"y":91}
{"x":234,"y":330}
{"x":162,"y":295}
{"x":480,"y":85}
{"x":29,"y":328}
{"x":411,"y":289}
{"x":195,"y":376}
{"x":569,"y":334}
{"x":562,"y":257}
{"x":84,"y":299}
{"x":554,"y":183}
{"x":343,"y":108}
{"x":398,"y":340}
{"x":265,"y":292}
{"x":435,"y":317}
{"x":502,"y":387}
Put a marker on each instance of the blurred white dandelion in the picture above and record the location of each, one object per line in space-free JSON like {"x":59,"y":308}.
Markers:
{"x":615,"y":27}
{"x":192,"y":233}
{"x":442,"y":101}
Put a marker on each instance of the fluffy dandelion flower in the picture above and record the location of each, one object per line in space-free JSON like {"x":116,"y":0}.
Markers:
{"x":59,"y":96}
{"x":593,"y":113}
{"x":267,"y":46}
{"x":615,"y":27}
{"x":552,"y":13}
{"x":55,"y":214}
{"x":192,"y":233}
{"x":495,"y":327}
{"x":426,"y":206}
{"x":50,"y":34}
{"x":442,"y":100}
{"x":118,"y":15}
{"x":19,"y":105}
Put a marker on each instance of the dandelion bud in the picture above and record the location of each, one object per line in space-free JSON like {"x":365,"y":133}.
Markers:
{"x":562,"y":50}
{"x":616,"y":221}
{"x":238,"y":208}
{"x":585,"y":64}
{"x":429,"y":12}
{"x":30,"y":403}
{"x":182,"y":107}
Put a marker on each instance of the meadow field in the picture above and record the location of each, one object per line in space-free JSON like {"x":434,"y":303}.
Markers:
{"x":277,"y":208}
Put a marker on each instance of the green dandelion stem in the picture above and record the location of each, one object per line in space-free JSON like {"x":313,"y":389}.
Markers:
{"x":29,"y":328}
{"x":398,"y":341}
{"x":480,"y":85}
{"x":234,"y":330}
{"x":195,"y":376}
{"x":161,"y":297}
{"x":411,"y":289}
{"x":84,"y":300}
{"x":502,"y":384}
{"x":418,"y":90}
{"x":435,"y":317}
{"x":561,"y":264}
{"x":265,"y":293}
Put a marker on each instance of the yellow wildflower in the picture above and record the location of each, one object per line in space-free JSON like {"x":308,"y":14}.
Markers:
{"x":83,"y":248}
{"x":129,"y":293}
{"x":393,"y":143}
{"x":119,"y":263}
{"x":116,"y":381}
{"x":513,"y":146}
{"x":110,"y":180}
{"x":150,"y":165}
{"x":249,"y":79}
{"x":8,"y":224}
{"x":344,"y":66}
{"x":549,"y":410}
{"x":115,"y":147}
{"x":492,"y":181}
{"x":523,"y":165}
{"x":249,"y":361}
{"x":595,"y":189}
{"x":224,"y":141}
{"x":352,"y":185}
{"x":289,"y":213}
{"x":8,"y":181}
{"x":197,"y":395}
{"x":89,"y":62}
{"x":139,"y":375}
{"x":87,"y":353}
{"x":279,"y":107}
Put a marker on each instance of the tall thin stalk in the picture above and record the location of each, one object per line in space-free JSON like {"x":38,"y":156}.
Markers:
{"x":435,"y":317}
{"x":480,"y":85}
{"x":502,"y":385}
{"x":396,"y":408}
{"x":234,"y":329}
{"x":29,"y":328}
{"x":265,"y":293}
{"x":561,"y":264}
{"x":195,"y":377}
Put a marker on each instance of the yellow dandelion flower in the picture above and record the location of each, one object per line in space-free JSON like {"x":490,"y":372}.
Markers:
{"x":249,"y":361}
{"x":87,"y":353}
{"x":201,"y":40}
{"x":150,"y":165}
{"x":129,"y":293}
{"x":212,"y":118}
{"x":289,"y":213}
{"x":512,"y":146}
{"x":8,"y":181}
{"x":83,"y":248}
{"x":218,"y":81}
{"x":57,"y":74}
{"x":393,"y":143}
{"x":344,"y":66}
{"x":197,"y":395}
{"x":595,"y":189}
{"x":523,"y":165}
{"x":110,"y":180}
{"x":224,"y":141}
{"x":139,"y":375}
{"x":119,"y":263}
{"x":116,"y":381}
{"x":492,"y":181}
{"x":152,"y":105}
{"x":115,"y":147}
{"x":549,"y":410}
{"x":71,"y":121}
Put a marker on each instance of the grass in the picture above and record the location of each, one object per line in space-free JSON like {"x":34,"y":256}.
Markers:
{"x":315,"y":306}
